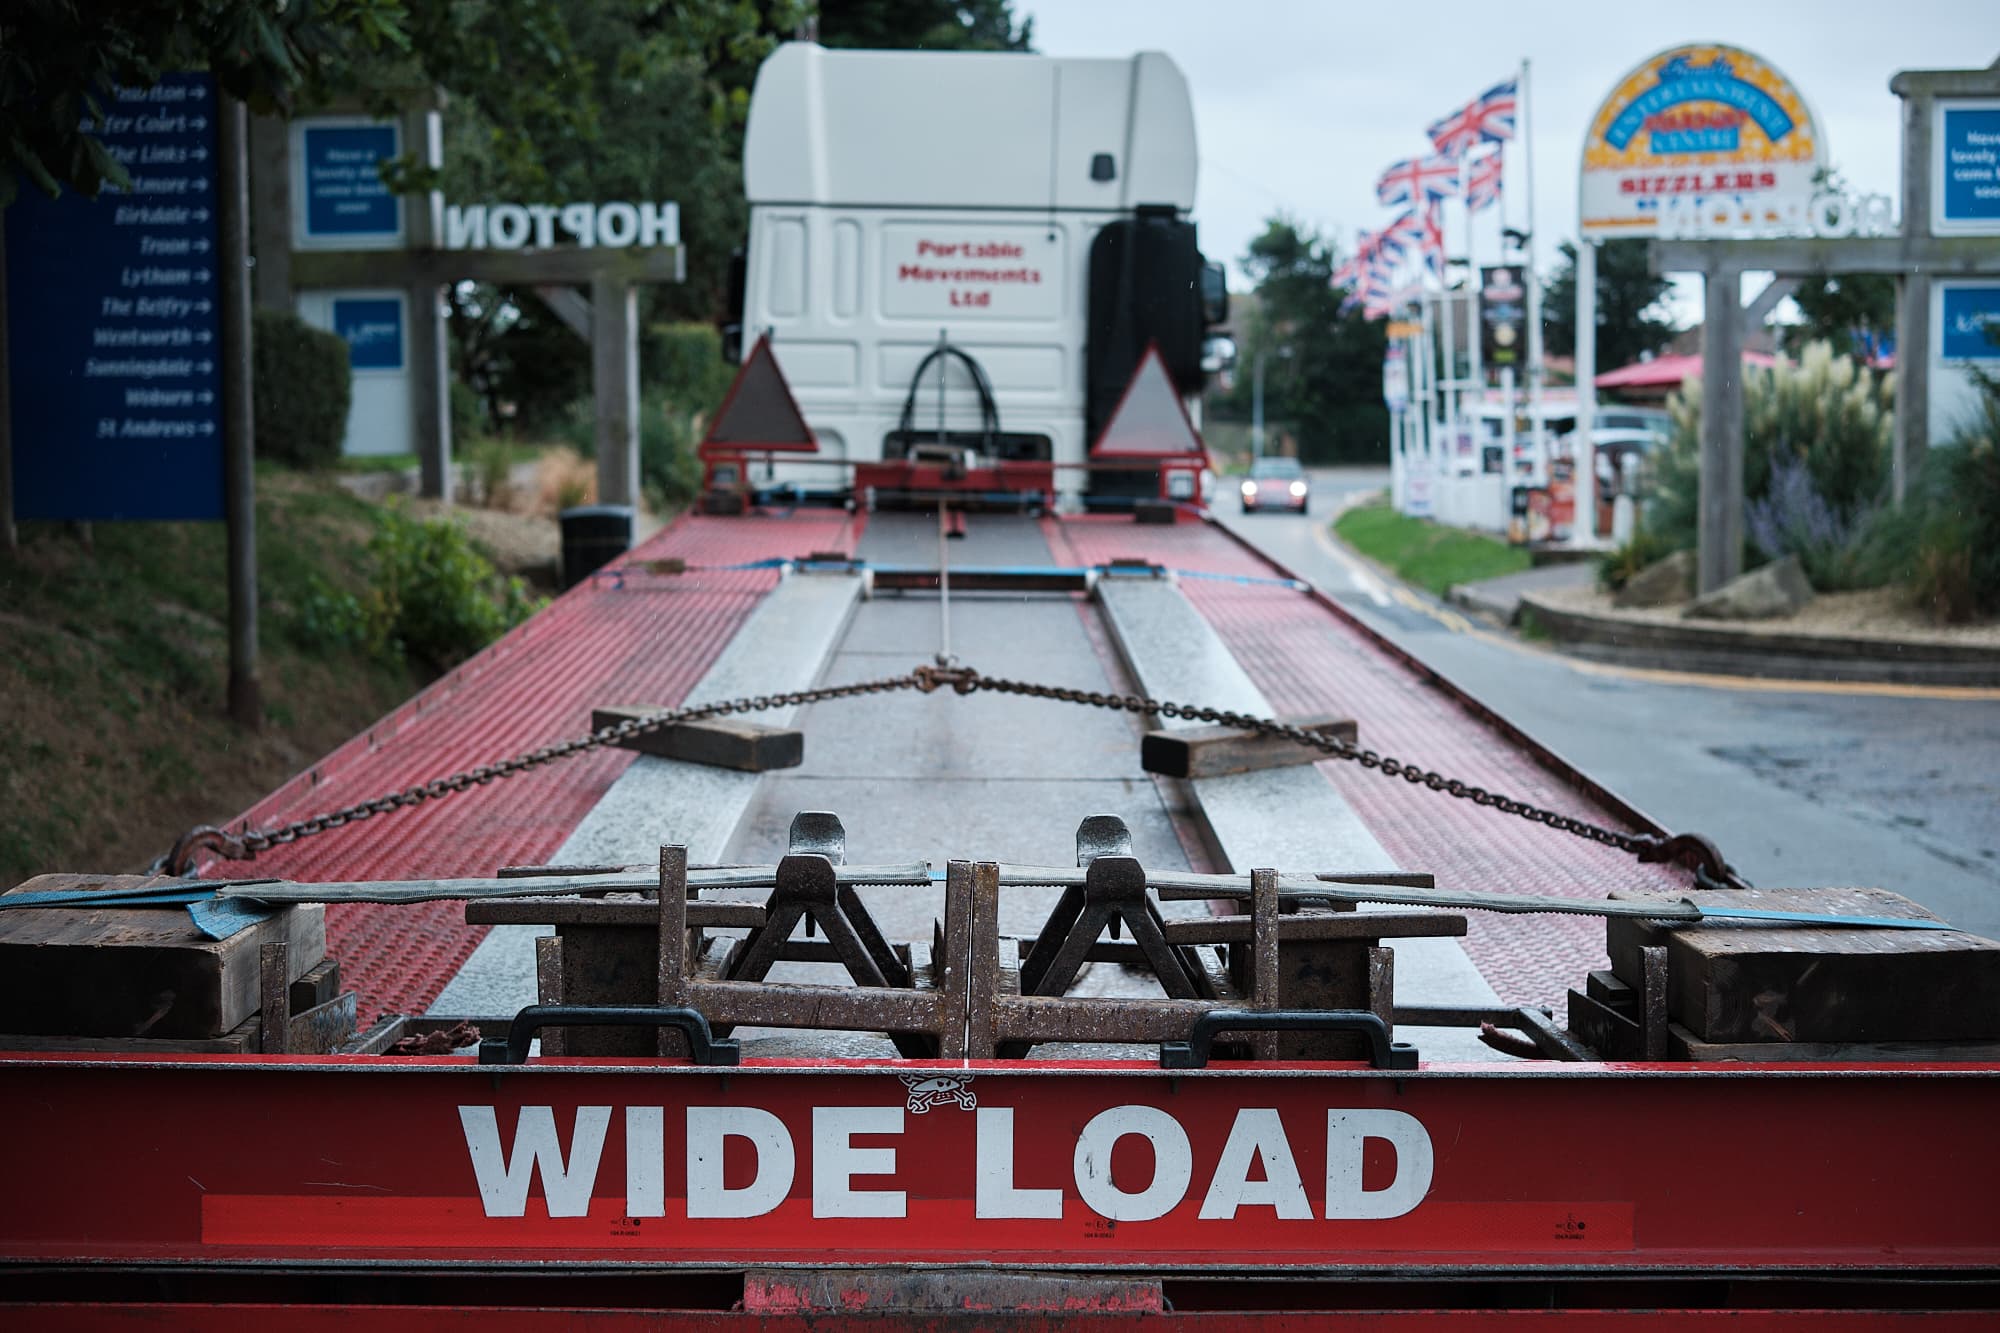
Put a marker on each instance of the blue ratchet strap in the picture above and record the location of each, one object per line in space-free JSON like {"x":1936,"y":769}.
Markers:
{"x":1296,"y":585}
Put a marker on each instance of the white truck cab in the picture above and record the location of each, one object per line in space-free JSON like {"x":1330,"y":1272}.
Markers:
{"x":1030,"y":214}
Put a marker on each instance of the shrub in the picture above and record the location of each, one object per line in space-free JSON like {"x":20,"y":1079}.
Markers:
{"x":1645,"y":547}
{"x":1944,"y":542}
{"x":433,"y":600}
{"x":668,"y":467}
{"x":1820,"y":431}
{"x":302,"y":390}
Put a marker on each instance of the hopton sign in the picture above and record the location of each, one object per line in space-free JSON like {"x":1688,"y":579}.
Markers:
{"x":517,"y":226}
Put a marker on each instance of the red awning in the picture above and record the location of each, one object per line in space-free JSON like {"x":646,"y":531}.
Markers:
{"x":1667,"y":371}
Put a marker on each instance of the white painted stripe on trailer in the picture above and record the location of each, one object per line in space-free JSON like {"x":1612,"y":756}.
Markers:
{"x":784,"y":646}
{"x":1286,"y":818}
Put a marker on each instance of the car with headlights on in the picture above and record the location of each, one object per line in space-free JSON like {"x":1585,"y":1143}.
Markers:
{"x":1276,"y":483}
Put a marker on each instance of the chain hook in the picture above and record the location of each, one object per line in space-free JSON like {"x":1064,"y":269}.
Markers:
{"x":962,"y":679}
{"x":1693,"y":851}
{"x":204,"y":837}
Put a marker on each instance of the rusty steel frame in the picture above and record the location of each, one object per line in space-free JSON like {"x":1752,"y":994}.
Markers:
{"x":973,"y":1001}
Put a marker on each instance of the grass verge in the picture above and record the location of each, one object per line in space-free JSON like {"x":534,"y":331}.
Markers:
{"x":1427,"y":554}
{"x":113,"y":659}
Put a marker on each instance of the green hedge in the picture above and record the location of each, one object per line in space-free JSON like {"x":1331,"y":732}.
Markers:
{"x":303,"y":389}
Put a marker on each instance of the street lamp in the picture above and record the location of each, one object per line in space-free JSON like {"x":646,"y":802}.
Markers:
{"x":1257,"y":401}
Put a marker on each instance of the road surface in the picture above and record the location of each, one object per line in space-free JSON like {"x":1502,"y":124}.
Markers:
{"x":1798,"y":783}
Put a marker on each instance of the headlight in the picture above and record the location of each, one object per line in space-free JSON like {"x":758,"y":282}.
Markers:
{"x":1298,"y":490}
{"x":1249,"y":488}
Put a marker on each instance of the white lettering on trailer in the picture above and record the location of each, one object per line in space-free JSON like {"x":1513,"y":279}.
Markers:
{"x":836,"y":1161}
{"x":1347,"y":1133}
{"x":995,"y":1194}
{"x":1173,"y":1163}
{"x":1256,"y":1136}
{"x":504,"y":1178}
{"x":1259,"y":1131}
{"x":707,"y":1195}
{"x":645,"y":1160}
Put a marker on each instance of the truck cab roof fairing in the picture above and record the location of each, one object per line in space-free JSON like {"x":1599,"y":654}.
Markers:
{"x":880,"y":128}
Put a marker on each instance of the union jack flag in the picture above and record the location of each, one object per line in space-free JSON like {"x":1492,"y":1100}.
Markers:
{"x":1482,"y":186}
{"x":1487,"y":118}
{"x":1430,"y":241}
{"x":1418,"y":179}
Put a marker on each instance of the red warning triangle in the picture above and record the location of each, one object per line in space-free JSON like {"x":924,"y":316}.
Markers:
{"x":759,"y":414}
{"x":1150,"y":420}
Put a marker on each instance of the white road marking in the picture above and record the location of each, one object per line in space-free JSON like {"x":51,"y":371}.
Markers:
{"x":1362,"y":577}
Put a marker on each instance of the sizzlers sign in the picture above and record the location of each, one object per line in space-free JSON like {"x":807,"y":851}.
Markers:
{"x":517,"y":226}
{"x":1127,"y":1163}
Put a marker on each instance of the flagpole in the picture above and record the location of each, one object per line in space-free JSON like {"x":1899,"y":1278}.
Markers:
{"x":1534,"y":274}
{"x":1475,"y":328}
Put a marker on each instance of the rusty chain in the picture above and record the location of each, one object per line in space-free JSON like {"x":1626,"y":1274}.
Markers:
{"x":1691,"y":850}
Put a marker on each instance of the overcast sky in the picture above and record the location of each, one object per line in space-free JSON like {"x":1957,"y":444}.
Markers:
{"x":1299,"y":105}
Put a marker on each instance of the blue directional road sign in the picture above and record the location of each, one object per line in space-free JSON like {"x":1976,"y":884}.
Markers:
{"x":345,"y":196}
{"x":373,"y":329}
{"x":1969,"y":153}
{"x":114,"y":324}
{"x":1971,"y":321}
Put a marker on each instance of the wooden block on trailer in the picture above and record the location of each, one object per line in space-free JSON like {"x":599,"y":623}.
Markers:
{"x":1686,"y":1046}
{"x":320,"y":985}
{"x":1611,"y":1034}
{"x":244,"y":1039}
{"x":118,"y":971}
{"x":720,"y":742}
{"x":1213,"y":752}
{"x":1731,"y":981}
{"x":1607,"y":988}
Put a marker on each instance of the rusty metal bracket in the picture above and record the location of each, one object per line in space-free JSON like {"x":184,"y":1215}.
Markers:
{"x":1113,"y":892}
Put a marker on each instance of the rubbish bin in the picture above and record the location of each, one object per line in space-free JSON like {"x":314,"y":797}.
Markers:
{"x":592,"y":537}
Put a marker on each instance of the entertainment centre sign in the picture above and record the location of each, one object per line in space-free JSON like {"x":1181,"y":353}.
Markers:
{"x":1706,"y":130}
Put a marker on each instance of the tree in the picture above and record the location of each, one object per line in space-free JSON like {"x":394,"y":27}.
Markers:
{"x":1630,"y":318}
{"x":1330,"y":386}
{"x":61,"y":60}
{"x":930,"y":25}
{"x":1855,"y":312}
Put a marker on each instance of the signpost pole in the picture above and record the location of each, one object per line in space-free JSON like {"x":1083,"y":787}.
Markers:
{"x":1913,"y":301}
{"x":1535,"y":423}
{"x":238,"y":422}
{"x":1582,"y":452}
{"x":614,"y":362}
{"x":1719,"y":527}
{"x":8,"y":535}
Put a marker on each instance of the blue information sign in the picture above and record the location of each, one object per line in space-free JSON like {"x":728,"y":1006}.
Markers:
{"x":1969,"y":157}
{"x":1971,"y":321}
{"x":373,"y":328}
{"x":114,"y":325}
{"x":345,"y":196}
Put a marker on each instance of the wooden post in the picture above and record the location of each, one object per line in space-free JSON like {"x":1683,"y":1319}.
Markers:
{"x":1913,"y":300}
{"x":239,"y":481}
{"x":430,"y":347}
{"x":271,"y":211}
{"x":8,"y":535}
{"x":1721,"y":518}
{"x":614,"y":375}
